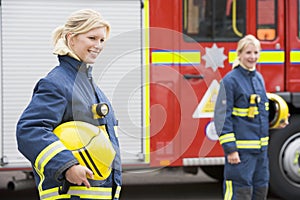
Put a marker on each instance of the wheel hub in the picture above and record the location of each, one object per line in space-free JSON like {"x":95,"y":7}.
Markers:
{"x":289,"y":155}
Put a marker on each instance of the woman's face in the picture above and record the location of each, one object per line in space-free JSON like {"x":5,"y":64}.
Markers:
{"x":249,"y":56}
{"x":87,"y":46}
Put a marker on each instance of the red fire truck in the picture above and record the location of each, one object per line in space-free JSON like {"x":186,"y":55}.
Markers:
{"x":162,"y":68}
{"x":191,"y":49}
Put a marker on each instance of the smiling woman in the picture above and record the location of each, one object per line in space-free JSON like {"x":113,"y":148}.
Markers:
{"x":87,"y":46}
{"x":81,"y":41}
{"x":242,"y":123}
{"x":67,"y":94}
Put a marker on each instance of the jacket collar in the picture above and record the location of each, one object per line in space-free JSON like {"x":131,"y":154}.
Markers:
{"x":76,"y":64}
{"x":245,"y":71}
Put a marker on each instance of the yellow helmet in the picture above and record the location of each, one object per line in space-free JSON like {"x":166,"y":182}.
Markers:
{"x":89,"y":144}
{"x":278,"y":110}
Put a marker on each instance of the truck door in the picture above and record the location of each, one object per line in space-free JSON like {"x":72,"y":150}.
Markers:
{"x":270,"y":30}
{"x":210,"y":31}
{"x":180,"y":80}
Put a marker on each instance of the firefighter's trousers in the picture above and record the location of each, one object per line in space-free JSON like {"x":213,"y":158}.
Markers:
{"x":249,"y":179}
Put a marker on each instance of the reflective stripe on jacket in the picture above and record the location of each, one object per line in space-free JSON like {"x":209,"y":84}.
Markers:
{"x":82,"y":192}
{"x":241,"y":123}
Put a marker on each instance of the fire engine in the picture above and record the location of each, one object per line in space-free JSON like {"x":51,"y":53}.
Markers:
{"x":161,"y":68}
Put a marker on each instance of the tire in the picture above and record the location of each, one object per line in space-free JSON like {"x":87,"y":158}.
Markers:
{"x":284,"y":174}
{"x":216,"y":172}
{"x":190,"y":170}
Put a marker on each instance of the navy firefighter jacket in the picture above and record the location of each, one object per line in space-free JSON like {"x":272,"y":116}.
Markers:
{"x":67,"y":93}
{"x":241,"y":113}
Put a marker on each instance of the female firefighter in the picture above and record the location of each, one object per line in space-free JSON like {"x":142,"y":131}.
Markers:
{"x":242,"y":122}
{"x":68,"y":93}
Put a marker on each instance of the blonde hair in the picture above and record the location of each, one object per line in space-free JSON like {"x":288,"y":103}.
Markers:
{"x":242,"y":44}
{"x":79,"y":22}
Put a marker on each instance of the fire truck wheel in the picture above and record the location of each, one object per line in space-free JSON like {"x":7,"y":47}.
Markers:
{"x":284,"y":151}
{"x":190,"y":170}
{"x":215,"y":172}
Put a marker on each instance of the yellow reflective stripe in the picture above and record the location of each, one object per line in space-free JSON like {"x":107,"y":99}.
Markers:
{"x":248,"y":144}
{"x":229,"y":137}
{"x":43,"y":158}
{"x":243,"y":112}
{"x":269,"y":56}
{"x":146,"y":82}
{"x":264,"y":141}
{"x":228,"y":190}
{"x":180,"y":57}
{"x":118,"y":191}
{"x":81,"y":191}
{"x":232,"y":56}
{"x":252,"y":144}
{"x":49,"y":152}
{"x":295,"y":56}
{"x":266,"y":57}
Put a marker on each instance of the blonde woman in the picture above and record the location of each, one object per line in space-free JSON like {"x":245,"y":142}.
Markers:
{"x":66,"y":94}
{"x":241,"y":119}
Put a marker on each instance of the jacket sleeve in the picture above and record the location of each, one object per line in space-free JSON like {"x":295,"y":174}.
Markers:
{"x":35,"y":137}
{"x":223,"y":117}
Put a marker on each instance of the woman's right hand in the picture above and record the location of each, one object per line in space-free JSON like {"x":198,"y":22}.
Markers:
{"x":233,"y":158}
{"x":77,"y":174}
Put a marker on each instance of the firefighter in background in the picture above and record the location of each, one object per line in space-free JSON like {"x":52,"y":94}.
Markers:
{"x":66,"y":94}
{"x":242,"y":123}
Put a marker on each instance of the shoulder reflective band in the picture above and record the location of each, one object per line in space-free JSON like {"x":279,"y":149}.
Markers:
{"x":278,"y":110}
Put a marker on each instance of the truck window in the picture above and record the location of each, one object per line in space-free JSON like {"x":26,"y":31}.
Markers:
{"x":214,"y":20}
{"x":266,"y":19}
